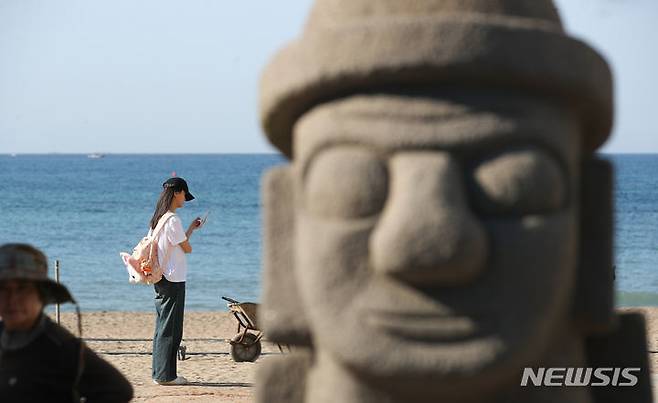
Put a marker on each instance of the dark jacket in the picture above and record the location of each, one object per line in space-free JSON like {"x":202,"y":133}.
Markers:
{"x":46,"y":369}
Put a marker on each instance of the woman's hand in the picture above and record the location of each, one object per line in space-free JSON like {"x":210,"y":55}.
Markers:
{"x":196,"y":223}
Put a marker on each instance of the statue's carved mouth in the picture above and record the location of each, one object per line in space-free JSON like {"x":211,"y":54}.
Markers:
{"x":427,"y":326}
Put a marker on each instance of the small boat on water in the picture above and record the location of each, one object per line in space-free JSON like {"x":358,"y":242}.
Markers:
{"x":96,"y":156}
{"x":13,"y":155}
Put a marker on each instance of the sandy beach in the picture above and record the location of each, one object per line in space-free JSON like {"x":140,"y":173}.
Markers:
{"x":124,"y":339}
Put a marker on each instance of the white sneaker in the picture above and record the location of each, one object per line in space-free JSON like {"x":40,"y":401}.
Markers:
{"x":178,"y":381}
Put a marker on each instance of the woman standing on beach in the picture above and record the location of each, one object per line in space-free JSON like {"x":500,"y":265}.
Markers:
{"x":173,"y":244}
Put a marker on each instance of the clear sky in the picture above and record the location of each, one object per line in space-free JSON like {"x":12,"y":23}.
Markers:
{"x":174,"y":76}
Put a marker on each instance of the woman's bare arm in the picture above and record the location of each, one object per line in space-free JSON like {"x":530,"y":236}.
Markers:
{"x":185,"y":245}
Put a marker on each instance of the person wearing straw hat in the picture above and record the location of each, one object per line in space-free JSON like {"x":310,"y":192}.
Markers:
{"x":41,"y":361}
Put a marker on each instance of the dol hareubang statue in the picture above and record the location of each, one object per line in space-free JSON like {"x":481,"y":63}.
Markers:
{"x":443,"y":223}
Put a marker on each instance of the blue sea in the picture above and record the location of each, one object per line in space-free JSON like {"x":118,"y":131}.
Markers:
{"x":83,"y":212}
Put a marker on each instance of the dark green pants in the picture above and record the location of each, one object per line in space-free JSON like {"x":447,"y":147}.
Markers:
{"x":170,"y":310}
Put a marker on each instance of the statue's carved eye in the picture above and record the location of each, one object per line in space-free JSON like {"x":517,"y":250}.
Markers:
{"x":527,"y":181}
{"x":346,"y":182}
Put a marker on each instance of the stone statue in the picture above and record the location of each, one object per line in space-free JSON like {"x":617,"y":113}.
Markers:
{"x":444,"y":222}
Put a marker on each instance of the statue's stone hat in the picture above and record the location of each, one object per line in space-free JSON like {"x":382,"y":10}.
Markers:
{"x":25,"y":262}
{"x":351,"y":46}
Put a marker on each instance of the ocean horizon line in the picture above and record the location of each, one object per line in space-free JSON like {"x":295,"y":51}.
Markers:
{"x":15,"y":154}
{"x":134,"y":153}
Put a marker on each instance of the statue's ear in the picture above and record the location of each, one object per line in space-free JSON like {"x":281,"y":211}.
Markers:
{"x":594,"y":294}
{"x":281,"y":313}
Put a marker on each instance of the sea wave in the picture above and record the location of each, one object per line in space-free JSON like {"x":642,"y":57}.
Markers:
{"x":633,"y":299}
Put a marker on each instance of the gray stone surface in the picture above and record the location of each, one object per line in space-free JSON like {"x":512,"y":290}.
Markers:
{"x":443,"y":222}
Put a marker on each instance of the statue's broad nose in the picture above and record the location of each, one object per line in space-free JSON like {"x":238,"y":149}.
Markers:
{"x":427,"y":234}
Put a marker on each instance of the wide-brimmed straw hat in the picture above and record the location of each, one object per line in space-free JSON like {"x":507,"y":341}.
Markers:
{"x":25,"y":262}
{"x":352,"y":46}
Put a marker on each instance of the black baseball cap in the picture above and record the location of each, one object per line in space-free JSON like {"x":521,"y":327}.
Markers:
{"x":178,"y":184}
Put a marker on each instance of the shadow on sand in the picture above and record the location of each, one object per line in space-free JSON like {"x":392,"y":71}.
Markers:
{"x":222,"y":384}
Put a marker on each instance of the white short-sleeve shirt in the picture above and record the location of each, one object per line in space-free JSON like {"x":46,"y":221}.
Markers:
{"x":171,"y":235}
